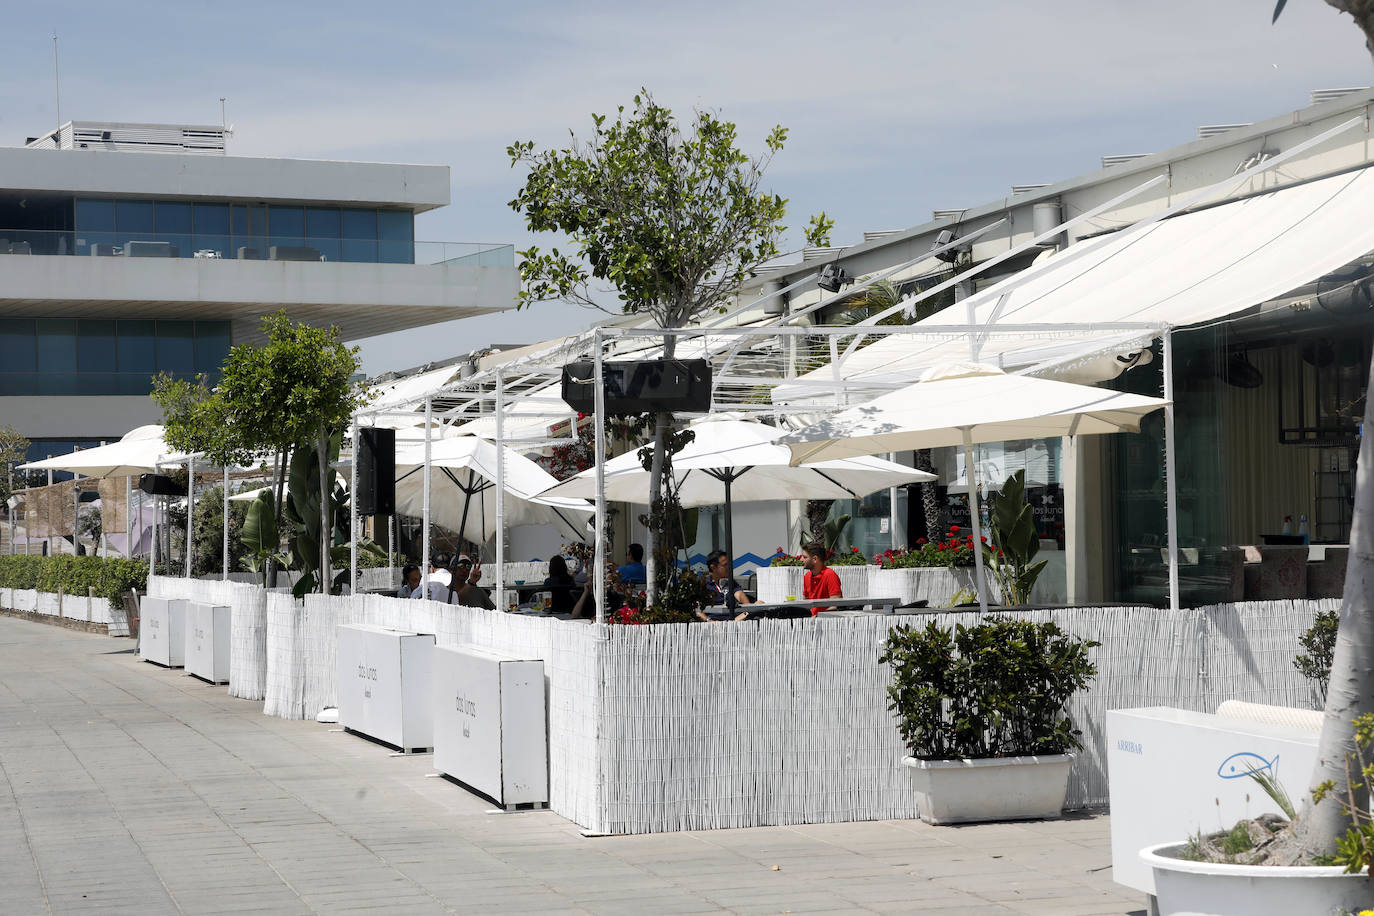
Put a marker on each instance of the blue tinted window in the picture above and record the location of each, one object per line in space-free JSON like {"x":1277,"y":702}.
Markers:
{"x":212,"y":345}
{"x":286,"y":222}
{"x":56,"y":344}
{"x":17,"y":353}
{"x":95,"y":346}
{"x":249,"y":221}
{"x":322,"y":223}
{"x":176,"y":351}
{"x":396,"y":225}
{"x":358,"y":224}
{"x":173,"y":217}
{"x":137,"y":346}
{"x":364,"y":251}
{"x":134,"y":216}
{"x":95,"y":215}
{"x":212,"y":219}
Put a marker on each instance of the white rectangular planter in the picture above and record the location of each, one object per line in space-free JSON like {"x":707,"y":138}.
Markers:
{"x":384,"y":686}
{"x":207,"y":642}
{"x":1173,"y":772}
{"x":162,"y":631}
{"x":490,"y":724}
{"x":935,"y":585}
{"x":990,"y":789}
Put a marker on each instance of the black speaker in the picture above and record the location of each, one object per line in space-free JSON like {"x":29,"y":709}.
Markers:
{"x":376,"y":471}
{"x":640,"y":386}
{"x":160,"y":485}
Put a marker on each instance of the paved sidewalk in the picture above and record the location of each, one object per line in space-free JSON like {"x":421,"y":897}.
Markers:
{"x":129,"y":788}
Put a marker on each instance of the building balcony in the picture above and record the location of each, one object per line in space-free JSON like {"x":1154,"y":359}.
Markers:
{"x":362,"y":286}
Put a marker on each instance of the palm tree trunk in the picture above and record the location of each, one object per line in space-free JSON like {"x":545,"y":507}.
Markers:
{"x":1351,"y":689}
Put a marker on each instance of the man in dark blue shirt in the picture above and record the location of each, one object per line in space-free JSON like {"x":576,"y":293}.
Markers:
{"x":633,"y":572}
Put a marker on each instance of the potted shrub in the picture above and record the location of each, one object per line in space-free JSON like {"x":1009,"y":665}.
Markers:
{"x":932,"y":571}
{"x":981,"y":710}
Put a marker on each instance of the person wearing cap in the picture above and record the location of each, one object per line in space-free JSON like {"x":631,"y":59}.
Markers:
{"x":463,"y":588}
{"x":439,"y":579}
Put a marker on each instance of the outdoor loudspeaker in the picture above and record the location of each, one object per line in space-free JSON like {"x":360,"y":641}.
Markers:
{"x":376,"y":471}
{"x":160,"y":485}
{"x":641,"y":386}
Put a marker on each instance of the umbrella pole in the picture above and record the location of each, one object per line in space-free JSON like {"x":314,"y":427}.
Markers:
{"x":599,"y":451}
{"x":467,"y":501}
{"x":729,"y":545}
{"x":190,"y":508}
{"x":128,"y":519}
{"x":972,"y":475}
{"x":353,"y":513}
{"x":500,"y":492}
{"x":225,"y":577}
{"x":152,"y":546}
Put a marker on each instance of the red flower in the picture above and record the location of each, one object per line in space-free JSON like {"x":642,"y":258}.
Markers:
{"x":920,"y":540}
{"x":853,"y":550}
{"x":953,"y":529}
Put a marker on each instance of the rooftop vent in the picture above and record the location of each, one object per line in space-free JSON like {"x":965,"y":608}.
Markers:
{"x":1109,"y":161}
{"x":820,"y":254}
{"x":1207,"y":131}
{"x":143,"y":138}
{"x":1027,"y":188}
{"x":1326,"y":95}
{"x":880,"y":234}
{"x":948,"y":214}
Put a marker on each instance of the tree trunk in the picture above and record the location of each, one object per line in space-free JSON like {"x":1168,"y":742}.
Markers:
{"x":279,"y":487}
{"x":1351,"y":689}
{"x":326,"y":516}
{"x":930,"y":503}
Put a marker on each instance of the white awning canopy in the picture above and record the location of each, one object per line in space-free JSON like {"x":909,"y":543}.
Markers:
{"x":1191,"y":268}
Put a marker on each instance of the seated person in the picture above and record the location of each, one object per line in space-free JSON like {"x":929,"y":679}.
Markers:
{"x":439,"y":578}
{"x":820,"y":580}
{"x":561,"y":585}
{"x":410,"y":581}
{"x":726,"y":593}
{"x":633,"y":572}
{"x":464,"y":590}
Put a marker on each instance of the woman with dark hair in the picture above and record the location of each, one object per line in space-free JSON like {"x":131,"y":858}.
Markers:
{"x":410,"y":581}
{"x":560,"y":583}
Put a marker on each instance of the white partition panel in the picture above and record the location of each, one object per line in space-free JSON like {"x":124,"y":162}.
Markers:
{"x":1175,"y":772}
{"x":490,"y":726}
{"x":162,"y":631}
{"x":384,"y":683}
{"x":207,"y":641}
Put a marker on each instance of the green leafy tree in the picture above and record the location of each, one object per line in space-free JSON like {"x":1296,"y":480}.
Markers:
{"x":13,"y":448}
{"x":292,"y":392}
{"x":673,"y":218}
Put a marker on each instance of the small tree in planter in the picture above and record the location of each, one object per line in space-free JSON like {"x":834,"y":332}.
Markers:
{"x":981,"y":709}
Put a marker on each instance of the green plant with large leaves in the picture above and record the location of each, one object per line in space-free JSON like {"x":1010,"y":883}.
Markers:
{"x":304,"y":511}
{"x":260,"y":539}
{"x":1015,"y":542}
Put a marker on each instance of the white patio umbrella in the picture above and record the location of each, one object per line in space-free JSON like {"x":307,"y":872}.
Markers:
{"x":137,"y":453}
{"x":468,"y":464}
{"x":739,"y":460}
{"x":964,"y":403}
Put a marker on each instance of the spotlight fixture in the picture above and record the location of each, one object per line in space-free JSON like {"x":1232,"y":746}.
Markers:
{"x":832,"y":278}
{"x":952,"y":254}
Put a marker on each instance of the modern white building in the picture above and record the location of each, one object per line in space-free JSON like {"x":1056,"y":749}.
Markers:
{"x":132,"y":249}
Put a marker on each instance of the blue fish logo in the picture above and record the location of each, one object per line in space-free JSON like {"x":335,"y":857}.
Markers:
{"x":1245,"y":762}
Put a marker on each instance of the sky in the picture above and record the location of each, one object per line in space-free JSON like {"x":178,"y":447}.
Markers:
{"x":893,"y":109}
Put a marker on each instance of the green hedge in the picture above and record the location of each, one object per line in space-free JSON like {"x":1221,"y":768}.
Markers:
{"x":109,"y":577}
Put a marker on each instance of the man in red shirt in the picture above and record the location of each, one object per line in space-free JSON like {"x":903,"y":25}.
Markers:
{"x":820,"y":580}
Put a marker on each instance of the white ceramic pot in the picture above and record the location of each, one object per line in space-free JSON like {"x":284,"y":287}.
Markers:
{"x":1185,"y":888}
{"x":990,"y":789}
{"x":935,"y":585}
{"x":775,"y":583}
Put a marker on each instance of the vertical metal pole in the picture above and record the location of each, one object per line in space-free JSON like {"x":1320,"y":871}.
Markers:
{"x":225,"y":560}
{"x":129,"y":517}
{"x":152,"y":548}
{"x":76,"y":515}
{"x":975,"y":521}
{"x":190,"y":508}
{"x":599,"y":452}
{"x":500,"y":491}
{"x":353,"y":515}
{"x":1170,"y":485}
{"x":424,"y":534}
{"x":52,"y":548}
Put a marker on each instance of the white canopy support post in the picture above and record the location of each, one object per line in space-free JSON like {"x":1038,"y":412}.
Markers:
{"x":973,"y":513}
{"x":52,"y":547}
{"x":840,"y":399}
{"x":152,"y":551}
{"x":424,"y":534}
{"x":128,"y":518}
{"x":353,"y":514}
{"x":225,"y":561}
{"x":1170,"y":484}
{"x":598,"y":571}
{"x":76,"y":516}
{"x":190,"y":508}
{"x":500,"y":490}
